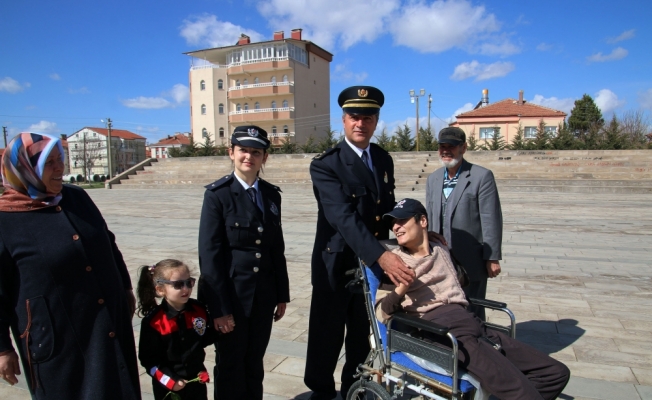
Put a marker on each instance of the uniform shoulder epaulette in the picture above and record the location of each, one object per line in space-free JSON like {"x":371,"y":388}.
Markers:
{"x":325,"y":153}
{"x":220,"y":182}
{"x":378,"y":147}
{"x":264,"y":182}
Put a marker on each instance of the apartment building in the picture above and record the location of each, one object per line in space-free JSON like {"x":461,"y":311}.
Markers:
{"x":506,"y":116}
{"x":282,"y":85}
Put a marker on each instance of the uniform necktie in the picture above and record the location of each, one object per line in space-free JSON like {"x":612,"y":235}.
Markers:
{"x":365,"y":159}
{"x":252,"y":194}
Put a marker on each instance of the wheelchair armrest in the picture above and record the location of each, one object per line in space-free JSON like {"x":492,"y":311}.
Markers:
{"x":419,"y":323}
{"x":487,"y":303}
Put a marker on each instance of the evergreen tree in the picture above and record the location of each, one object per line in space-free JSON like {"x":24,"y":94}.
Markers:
{"x":327,"y":142}
{"x":591,"y":138}
{"x":427,"y":141}
{"x":207,"y":148}
{"x":404,"y":140}
{"x":518,"y":143}
{"x":310,"y":146}
{"x":565,"y":139}
{"x":496,"y":142}
{"x":584,"y":115}
{"x":288,"y":146}
{"x":385,"y":141}
{"x":542,"y":140}
{"x":612,"y":136}
{"x":471,"y":142}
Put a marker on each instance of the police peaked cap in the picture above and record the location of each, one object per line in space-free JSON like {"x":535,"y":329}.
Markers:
{"x":364,"y":100}
{"x":250,"y":136}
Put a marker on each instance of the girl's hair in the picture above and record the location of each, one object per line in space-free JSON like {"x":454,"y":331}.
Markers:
{"x":149,"y":274}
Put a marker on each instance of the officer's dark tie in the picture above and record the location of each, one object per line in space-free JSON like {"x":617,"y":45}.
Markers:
{"x":365,"y":159}
{"x":252,"y":194}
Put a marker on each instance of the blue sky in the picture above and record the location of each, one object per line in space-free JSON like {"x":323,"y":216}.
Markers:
{"x":69,"y":64}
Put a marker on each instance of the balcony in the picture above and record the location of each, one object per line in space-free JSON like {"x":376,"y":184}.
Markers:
{"x":259,"y":65}
{"x":262,"y":114}
{"x":261,"y":90}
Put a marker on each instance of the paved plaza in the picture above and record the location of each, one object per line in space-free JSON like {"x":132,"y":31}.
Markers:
{"x":576,"y":272}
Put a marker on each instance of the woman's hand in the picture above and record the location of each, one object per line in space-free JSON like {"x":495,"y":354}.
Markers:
{"x":9,"y":367}
{"x":180,"y":384}
{"x":224,"y":324}
{"x":280,"y":311}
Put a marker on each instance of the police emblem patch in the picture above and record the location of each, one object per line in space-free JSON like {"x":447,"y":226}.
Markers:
{"x":199,"y":324}
{"x":252,"y":132}
{"x":400,"y":204}
{"x":273,"y":209}
{"x":363,"y":92}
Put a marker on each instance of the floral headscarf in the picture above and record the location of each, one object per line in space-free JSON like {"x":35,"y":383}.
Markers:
{"x":22,"y":169}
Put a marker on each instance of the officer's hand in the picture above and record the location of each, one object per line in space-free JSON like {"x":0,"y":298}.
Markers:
{"x":224,"y":324}
{"x":396,"y":269}
{"x":493,"y":268}
{"x":9,"y":367}
{"x":437,"y":238}
{"x":180,"y":384}
{"x":280,"y":311}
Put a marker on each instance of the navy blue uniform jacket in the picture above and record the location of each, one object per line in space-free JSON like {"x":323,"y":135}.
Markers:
{"x":351,"y":201}
{"x":63,"y":289}
{"x":240,"y":246}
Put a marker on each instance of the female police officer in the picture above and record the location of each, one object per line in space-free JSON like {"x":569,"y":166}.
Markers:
{"x":244,"y":277}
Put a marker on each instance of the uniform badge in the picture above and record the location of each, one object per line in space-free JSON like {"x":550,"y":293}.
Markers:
{"x":273,"y":209}
{"x":400,"y":204}
{"x":363,"y":93}
{"x":252,"y":132}
{"x":199,"y":324}
{"x":385,"y":177}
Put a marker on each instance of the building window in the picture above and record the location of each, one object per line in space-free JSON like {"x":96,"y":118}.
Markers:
{"x":220,"y":108}
{"x":220,"y":84}
{"x":246,"y":106}
{"x":237,"y":83}
{"x":530,"y":132}
{"x":221,"y":132}
{"x":203,"y":109}
{"x":488,"y":133}
{"x":204,"y":132}
{"x":237,"y":107}
{"x":245,"y":82}
{"x":257,"y":106}
{"x":285,"y":129}
{"x":273,"y":80}
{"x":274,"y":129}
{"x":75,"y":146}
{"x":274,"y":104}
{"x":75,"y":164}
{"x":202,"y":85}
{"x":551,"y":130}
{"x":285,"y":78}
{"x":256,"y":80}
{"x":285,"y":104}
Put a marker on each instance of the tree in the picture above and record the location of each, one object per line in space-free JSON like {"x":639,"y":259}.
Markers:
{"x":496,"y":142}
{"x":542,"y":139}
{"x":385,"y":141}
{"x":87,"y":152}
{"x":404,"y":141}
{"x":518,"y":143}
{"x":635,"y":125}
{"x":207,"y":148}
{"x":584,"y":115}
{"x":327,"y":142}
{"x":288,"y":147}
{"x":310,"y":146}
{"x":427,"y":141}
{"x":565,"y":139}
{"x":471,"y":142}
{"x":612,"y":136}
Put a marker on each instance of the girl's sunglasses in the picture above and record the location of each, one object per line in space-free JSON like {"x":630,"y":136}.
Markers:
{"x":178,"y":285}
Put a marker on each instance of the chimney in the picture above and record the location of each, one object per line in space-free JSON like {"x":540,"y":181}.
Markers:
{"x":64,"y":137}
{"x":296,"y":34}
{"x":278,"y":35}
{"x":520,"y":97}
{"x":244,"y":39}
{"x":485,"y":97}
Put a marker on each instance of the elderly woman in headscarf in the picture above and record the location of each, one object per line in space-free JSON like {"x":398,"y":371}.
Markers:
{"x":65,"y":291}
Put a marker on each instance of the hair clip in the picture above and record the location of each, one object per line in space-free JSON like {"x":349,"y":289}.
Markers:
{"x":151,"y":269}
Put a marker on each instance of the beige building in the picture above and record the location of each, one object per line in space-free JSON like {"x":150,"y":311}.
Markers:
{"x":282,"y":85}
{"x":507,"y":115}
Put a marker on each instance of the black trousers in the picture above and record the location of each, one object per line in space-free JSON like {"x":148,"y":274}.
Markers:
{"x":193,"y":391}
{"x":239,"y":354}
{"x":477,"y":290}
{"x":516,"y":371}
{"x":330,"y":313}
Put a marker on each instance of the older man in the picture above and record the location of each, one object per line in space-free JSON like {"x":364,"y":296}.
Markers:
{"x":463,"y":205}
{"x":354,"y":186}
{"x":514,"y":371}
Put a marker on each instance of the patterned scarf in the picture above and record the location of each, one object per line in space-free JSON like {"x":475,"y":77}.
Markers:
{"x":22,"y":169}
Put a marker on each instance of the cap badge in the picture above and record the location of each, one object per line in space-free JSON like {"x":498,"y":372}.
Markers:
{"x":399,"y":204}
{"x":252,"y":132}
{"x":363,"y":93}
{"x":199,"y":324}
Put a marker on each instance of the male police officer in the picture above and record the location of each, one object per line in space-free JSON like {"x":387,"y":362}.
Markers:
{"x":354,"y":186}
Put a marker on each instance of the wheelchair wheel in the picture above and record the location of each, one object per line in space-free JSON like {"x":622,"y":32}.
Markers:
{"x":367,"y":390}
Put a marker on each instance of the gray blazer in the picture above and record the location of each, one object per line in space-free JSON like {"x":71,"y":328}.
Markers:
{"x":473,"y":226}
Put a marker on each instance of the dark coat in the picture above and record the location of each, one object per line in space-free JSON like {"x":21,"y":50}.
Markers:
{"x":351,"y":201}
{"x":240,"y":247}
{"x":63,"y":289}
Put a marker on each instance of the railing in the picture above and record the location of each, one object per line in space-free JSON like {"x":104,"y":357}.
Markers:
{"x":281,"y":134}
{"x":196,"y":67}
{"x":258,"y":60}
{"x":258,"y":85}
{"x":261,"y":110}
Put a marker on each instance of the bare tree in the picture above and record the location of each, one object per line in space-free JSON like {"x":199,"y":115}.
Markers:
{"x":86,"y":153}
{"x":635,"y":125}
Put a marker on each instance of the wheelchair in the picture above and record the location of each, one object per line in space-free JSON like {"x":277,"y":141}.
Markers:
{"x":394,"y":368}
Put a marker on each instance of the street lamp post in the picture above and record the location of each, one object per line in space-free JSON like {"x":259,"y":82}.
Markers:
{"x":108,"y":148}
{"x":413,"y":96}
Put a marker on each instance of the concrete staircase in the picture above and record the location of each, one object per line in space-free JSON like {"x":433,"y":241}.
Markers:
{"x":608,"y":171}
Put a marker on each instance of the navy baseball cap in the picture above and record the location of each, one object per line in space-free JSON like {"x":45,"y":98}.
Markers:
{"x":250,"y":136}
{"x":452,"y":135}
{"x":364,"y":100}
{"x":405,"y":208}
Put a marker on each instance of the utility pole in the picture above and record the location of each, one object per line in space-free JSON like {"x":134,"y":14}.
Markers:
{"x":108,"y":148}
{"x":4,"y":133}
{"x":413,"y":96}
{"x":429,"y":105}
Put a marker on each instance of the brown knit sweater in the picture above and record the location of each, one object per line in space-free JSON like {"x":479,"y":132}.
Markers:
{"x":436,"y":284}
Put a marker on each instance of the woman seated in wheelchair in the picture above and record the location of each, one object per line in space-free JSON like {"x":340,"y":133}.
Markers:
{"x":514,"y":371}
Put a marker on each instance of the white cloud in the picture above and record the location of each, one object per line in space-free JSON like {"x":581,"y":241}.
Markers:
{"x":179,"y":94}
{"x":331,"y":22}
{"x":443,"y":25}
{"x":466,"y":107}
{"x":617,"y":54}
{"x":207,"y":30}
{"x":55,"y":77}
{"x":623,"y":36}
{"x":544,"y":47}
{"x":11,"y":85}
{"x":341,"y":72}
{"x":645,"y":99}
{"x":44,"y":127}
{"x":81,"y":90}
{"x":607,"y":101}
{"x":480,"y":71}
{"x":565,"y":105}
{"x":149,"y":129}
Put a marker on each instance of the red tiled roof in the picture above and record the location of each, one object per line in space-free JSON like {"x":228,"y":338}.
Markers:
{"x":179,"y":138}
{"x":509,"y":108}
{"x":121,"y":133}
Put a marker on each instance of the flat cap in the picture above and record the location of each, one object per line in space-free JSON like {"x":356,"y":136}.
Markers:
{"x":364,"y":100}
{"x":452,"y":135}
{"x":250,"y":136}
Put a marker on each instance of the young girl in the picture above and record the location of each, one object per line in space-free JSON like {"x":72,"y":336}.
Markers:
{"x":174,"y":333}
